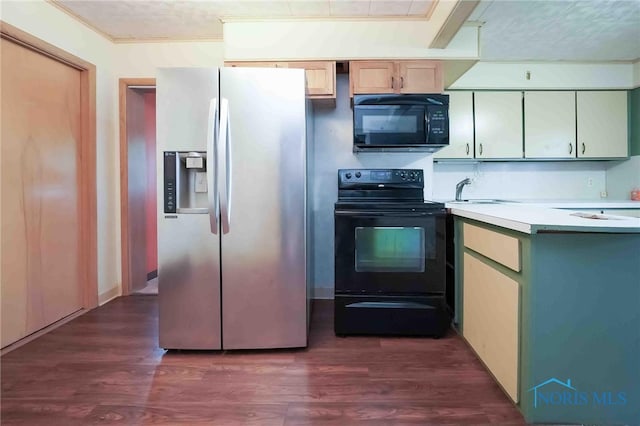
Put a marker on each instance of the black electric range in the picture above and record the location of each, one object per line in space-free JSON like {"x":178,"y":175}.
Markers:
{"x":389,"y":255}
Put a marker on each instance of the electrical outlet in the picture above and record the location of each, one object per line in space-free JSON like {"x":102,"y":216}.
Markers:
{"x":603,"y":194}
{"x":590,"y":182}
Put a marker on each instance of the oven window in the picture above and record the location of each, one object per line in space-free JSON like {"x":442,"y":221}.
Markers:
{"x":390,"y":249}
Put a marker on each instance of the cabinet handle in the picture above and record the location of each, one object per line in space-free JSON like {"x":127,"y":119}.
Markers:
{"x":570,"y":148}
{"x":467,"y":148}
{"x":392,"y":83}
{"x":401,"y":82}
{"x":480,"y":149}
{"x":583,"y":147}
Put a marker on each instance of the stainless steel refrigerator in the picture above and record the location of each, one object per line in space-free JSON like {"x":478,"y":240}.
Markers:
{"x":231,"y":150}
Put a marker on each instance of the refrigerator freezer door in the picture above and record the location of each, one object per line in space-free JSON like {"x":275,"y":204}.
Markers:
{"x":188,"y":251}
{"x":188,"y":283}
{"x":183,"y":98}
{"x":264,"y":254}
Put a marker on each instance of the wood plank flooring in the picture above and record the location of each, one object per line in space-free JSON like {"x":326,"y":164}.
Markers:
{"x":105,"y":368}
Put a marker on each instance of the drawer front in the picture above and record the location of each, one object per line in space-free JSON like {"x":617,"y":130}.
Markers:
{"x":504,"y":249}
{"x":491,"y":320}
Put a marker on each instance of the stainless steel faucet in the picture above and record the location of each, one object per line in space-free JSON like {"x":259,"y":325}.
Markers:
{"x":460,"y":186}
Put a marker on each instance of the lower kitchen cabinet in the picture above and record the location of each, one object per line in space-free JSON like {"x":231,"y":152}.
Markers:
{"x":491,"y":316}
{"x":554,"y":318}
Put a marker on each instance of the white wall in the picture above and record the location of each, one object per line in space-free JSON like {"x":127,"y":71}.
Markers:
{"x":504,"y":75}
{"x":142,"y":59}
{"x":55,"y":27}
{"x":343,"y":40}
{"x":622,"y":177}
{"x":521,"y":180}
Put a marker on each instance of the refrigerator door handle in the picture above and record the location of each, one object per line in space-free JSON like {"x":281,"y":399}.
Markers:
{"x":212,"y":192}
{"x":224,"y":166}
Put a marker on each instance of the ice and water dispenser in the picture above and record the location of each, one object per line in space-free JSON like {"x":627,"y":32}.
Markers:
{"x":185,"y":182}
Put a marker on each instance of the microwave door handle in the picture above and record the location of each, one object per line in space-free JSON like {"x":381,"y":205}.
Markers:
{"x":428,"y":120}
{"x":212,"y":191}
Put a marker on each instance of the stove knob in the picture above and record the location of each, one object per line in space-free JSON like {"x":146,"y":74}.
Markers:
{"x":348,"y":175}
{"x":358,"y":174}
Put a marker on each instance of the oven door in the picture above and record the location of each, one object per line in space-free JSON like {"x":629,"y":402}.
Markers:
{"x":390,"y":252}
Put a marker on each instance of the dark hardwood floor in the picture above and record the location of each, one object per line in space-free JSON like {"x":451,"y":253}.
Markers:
{"x":105,"y":367}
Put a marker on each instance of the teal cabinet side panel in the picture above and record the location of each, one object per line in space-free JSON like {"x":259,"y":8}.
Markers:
{"x":634,"y":121}
{"x":582,"y":326}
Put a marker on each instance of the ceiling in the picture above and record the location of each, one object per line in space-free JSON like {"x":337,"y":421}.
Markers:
{"x":561,"y":30}
{"x":512,"y":30}
{"x":197,"y":19}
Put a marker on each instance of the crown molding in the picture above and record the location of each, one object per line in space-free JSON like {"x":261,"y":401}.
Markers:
{"x":80,"y":19}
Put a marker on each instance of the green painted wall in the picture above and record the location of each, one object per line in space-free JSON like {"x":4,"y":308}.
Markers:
{"x":634,"y":121}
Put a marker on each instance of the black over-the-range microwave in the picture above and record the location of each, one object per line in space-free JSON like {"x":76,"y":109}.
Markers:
{"x":400,"y":122}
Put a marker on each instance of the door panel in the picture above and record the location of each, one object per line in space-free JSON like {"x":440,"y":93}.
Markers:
{"x":137,"y":185}
{"x":372,"y":76}
{"x":188,"y":282}
{"x":263,"y":255}
{"x":550,"y":124}
{"x":460,"y":127}
{"x":498,"y":121}
{"x":40,"y":195}
{"x":381,"y":254}
{"x":420,"y":77}
{"x":188,"y":253}
{"x":602,"y":124}
{"x":183,"y":96}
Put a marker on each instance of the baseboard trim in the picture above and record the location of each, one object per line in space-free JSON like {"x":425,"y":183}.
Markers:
{"x":108,"y":295}
{"x":323,"y":293}
{"x":42,"y":331}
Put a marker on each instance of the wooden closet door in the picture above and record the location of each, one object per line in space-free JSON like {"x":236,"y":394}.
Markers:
{"x":41,"y":131}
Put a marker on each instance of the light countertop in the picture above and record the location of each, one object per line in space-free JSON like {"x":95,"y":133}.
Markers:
{"x":541,"y":216}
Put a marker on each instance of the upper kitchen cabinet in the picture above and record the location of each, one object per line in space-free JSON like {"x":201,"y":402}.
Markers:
{"x":371,"y":77}
{"x":602,"y":124}
{"x":498,"y":125}
{"x":320,"y":75}
{"x":321,"y":78}
{"x":460,"y":127}
{"x":549,"y":124}
{"x":420,"y":77}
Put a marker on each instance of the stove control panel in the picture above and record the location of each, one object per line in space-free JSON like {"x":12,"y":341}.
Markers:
{"x":380,"y":176}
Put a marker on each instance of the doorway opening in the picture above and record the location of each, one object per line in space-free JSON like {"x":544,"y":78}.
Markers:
{"x":138,"y":186}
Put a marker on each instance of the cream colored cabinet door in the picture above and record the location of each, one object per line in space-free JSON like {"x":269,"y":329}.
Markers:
{"x":460,"y":127}
{"x":550,"y":124}
{"x":602,"y":124}
{"x":372,"y":77}
{"x":491,"y":320}
{"x":498,"y":124}
{"x":320,"y":76}
{"x":419,"y":77}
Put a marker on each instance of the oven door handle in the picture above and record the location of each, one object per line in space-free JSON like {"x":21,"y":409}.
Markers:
{"x":354,"y":213}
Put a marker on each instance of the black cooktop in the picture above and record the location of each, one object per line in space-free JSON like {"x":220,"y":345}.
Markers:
{"x":383,"y":189}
